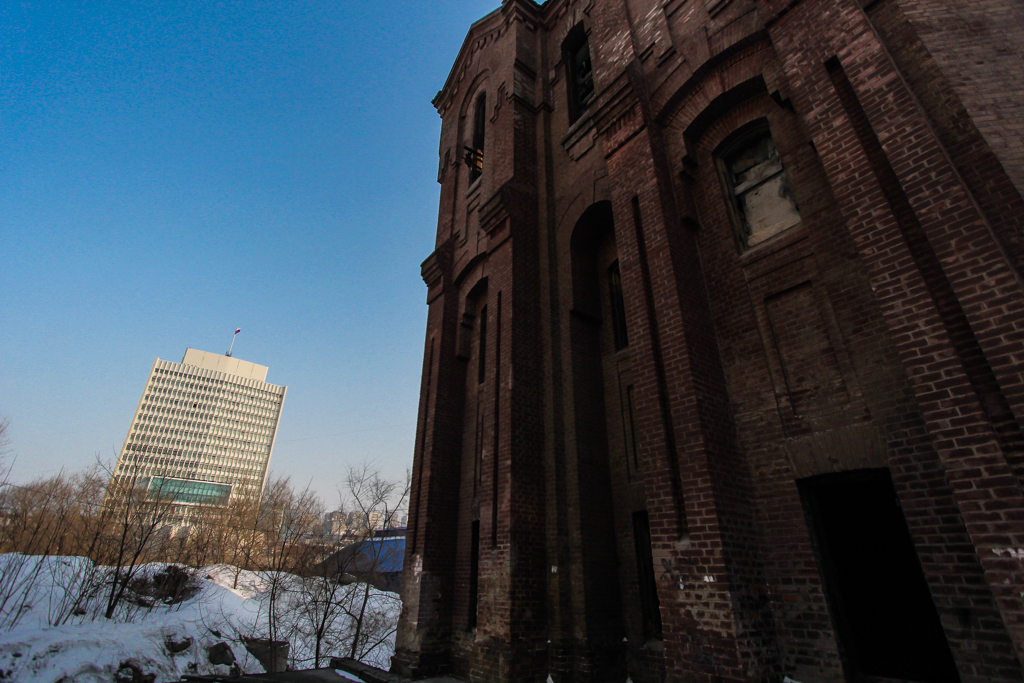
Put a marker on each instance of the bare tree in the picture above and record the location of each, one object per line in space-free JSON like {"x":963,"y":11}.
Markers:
{"x":45,"y":521}
{"x":33,"y":524}
{"x":75,"y":578}
{"x":139,"y":512}
{"x":378,"y":502}
{"x":242,"y":534}
{"x":340,"y":607}
{"x":285,"y":524}
{"x":77,"y":545}
{"x":323,"y":595}
{"x":203,"y":539}
{"x":5,"y":450}
{"x":5,"y":446}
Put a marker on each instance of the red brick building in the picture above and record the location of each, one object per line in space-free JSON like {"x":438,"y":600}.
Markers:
{"x":722,"y":377}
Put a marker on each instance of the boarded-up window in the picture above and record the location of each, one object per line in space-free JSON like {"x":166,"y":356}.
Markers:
{"x":763,"y":205}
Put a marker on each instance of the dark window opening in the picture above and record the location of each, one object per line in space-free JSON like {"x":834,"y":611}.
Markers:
{"x":632,"y":428}
{"x":649,"y":604}
{"x":579,"y":72}
{"x":618,"y":307}
{"x":474,"y":574}
{"x":757,"y":186}
{"x":481,"y":368}
{"x":877,"y":590}
{"x":475,"y":154}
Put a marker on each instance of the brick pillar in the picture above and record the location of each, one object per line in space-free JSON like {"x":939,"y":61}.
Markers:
{"x":510,"y":641}
{"x":521,"y":503}
{"x":698,"y":491}
{"x":422,"y":644}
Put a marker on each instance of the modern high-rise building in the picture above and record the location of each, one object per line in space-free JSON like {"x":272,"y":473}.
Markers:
{"x":204,"y":429}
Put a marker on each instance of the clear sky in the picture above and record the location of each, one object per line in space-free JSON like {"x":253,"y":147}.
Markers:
{"x":170,"y":170}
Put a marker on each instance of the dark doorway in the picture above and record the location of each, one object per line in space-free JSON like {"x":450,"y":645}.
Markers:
{"x":649,"y":604}
{"x":883,"y":608}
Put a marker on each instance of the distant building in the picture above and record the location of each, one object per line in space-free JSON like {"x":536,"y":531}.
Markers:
{"x":375,"y":520}
{"x":335,"y":523}
{"x":363,"y":521}
{"x":204,"y":429}
{"x":356,"y":520}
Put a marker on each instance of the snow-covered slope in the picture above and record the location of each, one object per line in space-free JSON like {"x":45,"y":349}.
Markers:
{"x":164,"y":640}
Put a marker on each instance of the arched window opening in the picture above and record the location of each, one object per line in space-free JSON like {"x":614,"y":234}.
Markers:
{"x":760,"y":198}
{"x":579,"y":72}
{"x":475,"y":153}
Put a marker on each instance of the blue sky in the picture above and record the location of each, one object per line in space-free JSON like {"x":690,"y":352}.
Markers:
{"x":170,"y":170}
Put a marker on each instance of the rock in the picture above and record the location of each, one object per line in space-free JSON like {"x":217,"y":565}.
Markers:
{"x":220,"y":654}
{"x":272,"y":654}
{"x":129,"y":672}
{"x":175,"y":646}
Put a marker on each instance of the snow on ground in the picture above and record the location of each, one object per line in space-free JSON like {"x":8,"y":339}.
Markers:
{"x":88,"y":648}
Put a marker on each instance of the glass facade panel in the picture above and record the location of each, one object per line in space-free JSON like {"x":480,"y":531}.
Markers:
{"x":189,"y":492}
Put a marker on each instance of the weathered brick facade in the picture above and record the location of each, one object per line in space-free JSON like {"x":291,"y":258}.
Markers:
{"x":724,"y":346}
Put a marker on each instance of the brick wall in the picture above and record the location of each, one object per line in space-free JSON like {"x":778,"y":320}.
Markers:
{"x":882,"y":333}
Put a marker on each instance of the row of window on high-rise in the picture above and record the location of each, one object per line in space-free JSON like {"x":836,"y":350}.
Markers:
{"x":192,"y":386}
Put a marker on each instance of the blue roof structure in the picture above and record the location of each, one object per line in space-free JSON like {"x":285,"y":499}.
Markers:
{"x":387,"y":554}
{"x":378,"y":561}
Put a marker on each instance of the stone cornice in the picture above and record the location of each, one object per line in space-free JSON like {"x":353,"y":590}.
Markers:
{"x":554,"y":12}
{"x":581,"y":137}
{"x":493,"y":212}
{"x":614,"y":102}
{"x":619,"y":112}
{"x":435,"y":266}
{"x":481,"y":34}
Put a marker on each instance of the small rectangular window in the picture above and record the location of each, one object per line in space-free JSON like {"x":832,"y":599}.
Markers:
{"x":618,"y":307}
{"x":481,"y":370}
